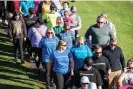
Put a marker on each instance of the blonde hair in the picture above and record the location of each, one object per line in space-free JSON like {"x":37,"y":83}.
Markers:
{"x":50,"y":29}
{"x":60,"y":43}
{"x":80,"y":38}
{"x":59,"y":19}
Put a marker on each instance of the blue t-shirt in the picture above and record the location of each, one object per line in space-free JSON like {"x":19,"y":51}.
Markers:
{"x":25,"y":5}
{"x":68,"y":37}
{"x":48,"y":45}
{"x":61,"y":61}
{"x":79,"y":54}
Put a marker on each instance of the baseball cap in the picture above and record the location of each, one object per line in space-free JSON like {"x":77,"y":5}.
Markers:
{"x":73,"y":9}
{"x":84,"y":79}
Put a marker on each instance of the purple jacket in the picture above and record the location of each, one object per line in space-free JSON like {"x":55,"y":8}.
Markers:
{"x":35,"y":35}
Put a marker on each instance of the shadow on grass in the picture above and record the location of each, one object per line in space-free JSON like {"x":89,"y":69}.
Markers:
{"x":8,"y":67}
{"x":6,"y":86}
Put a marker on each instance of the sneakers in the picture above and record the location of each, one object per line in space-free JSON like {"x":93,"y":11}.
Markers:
{"x":52,"y":84}
{"x":19,"y":61}
{"x":6,"y":22}
{"x":0,"y":20}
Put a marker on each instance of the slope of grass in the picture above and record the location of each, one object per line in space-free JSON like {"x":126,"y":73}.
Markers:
{"x":120,"y":14}
{"x":15,"y":76}
{"x":12,"y":75}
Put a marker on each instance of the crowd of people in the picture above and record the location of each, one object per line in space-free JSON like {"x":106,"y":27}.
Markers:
{"x":49,"y":31}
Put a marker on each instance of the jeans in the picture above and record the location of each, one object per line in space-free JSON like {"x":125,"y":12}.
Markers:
{"x":18,"y":46}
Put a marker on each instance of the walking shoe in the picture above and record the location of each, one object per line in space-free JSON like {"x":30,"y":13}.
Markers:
{"x":47,"y":86}
{"x":6,"y":23}
{"x":18,"y":61}
{"x":52,"y":84}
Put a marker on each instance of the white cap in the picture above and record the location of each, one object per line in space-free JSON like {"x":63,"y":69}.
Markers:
{"x":84,"y":79}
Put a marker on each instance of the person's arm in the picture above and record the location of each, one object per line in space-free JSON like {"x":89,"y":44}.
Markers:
{"x":39,"y":10}
{"x":30,"y":33}
{"x":79,"y":26}
{"x":112,"y":28}
{"x":71,"y":63}
{"x":122,"y":60}
{"x":10,"y":30}
{"x":89,"y":53}
{"x":108,"y":66}
{"x":99,"y":81}
{"x":121,"y":78}
{"x":24,"y":28}
{"x":72,"y":66}
{"x":20,"y":9}
{"x":99,"y":87}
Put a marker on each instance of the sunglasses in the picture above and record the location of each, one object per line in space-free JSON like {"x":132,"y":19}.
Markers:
{"x":64,"y":45}
{"x":84,"y":83}
{"x":49,"y":32}
{"x":98,"y":52}
{"x":113,"y":44}
{"x":100,"y":22}
{"x":130,"y":68}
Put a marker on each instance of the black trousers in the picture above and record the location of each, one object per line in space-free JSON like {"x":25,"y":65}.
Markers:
{"x":27,"y":46}
{"x":18,"y":46}
{"x":48,"y":79}
{"x":60,"y":80}
{"x":37,"y":56}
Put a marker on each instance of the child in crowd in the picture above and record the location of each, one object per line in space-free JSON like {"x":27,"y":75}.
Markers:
{"x":59,"y":26}
{"x":67,"y":18}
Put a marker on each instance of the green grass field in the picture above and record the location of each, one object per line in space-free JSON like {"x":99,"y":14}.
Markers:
{"x":15,"y":76}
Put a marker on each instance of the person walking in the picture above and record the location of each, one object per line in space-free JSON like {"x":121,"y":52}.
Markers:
{"x":17,"y":33}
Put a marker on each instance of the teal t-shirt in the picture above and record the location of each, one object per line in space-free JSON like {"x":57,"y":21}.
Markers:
{"x":58,"y":29}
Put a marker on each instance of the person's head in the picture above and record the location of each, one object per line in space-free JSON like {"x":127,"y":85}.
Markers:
{"x":100,"y":21}
{"x":39,"y":22}
{"x":61,"y":45}
{"x":130,"y":65}
{"x":46,"y":0}
{"x":65,"y":5}
{"x":80,"y":41}
{"x":88,"y":62}
{"x":73,"y":9}
{"x":113,"y":43}
{"x":66,"y":13}
{"x":105,"y":15}
{"x":53,"y":8}
{"x":31,"y":11}
{"x":84,"y":82}
{"x":59,"y":21}
{"x":66,"y":26}
{"x":98,"y":50}
{"x":16,"y":16}
{"x":50,"y":33}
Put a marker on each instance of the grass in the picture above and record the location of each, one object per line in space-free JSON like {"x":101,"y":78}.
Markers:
{"x":15,"y":76}
{"x":120,"y":14}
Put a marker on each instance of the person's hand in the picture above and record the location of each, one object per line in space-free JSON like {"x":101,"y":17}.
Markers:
{"x":72,"y":73}
{"x":131,"y":81}
{"x":109,"y":71}
{"x":24,"y":38}
{"x":11,"y":39}
{"x":72,"y":30}
{"x":125,"y":69}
